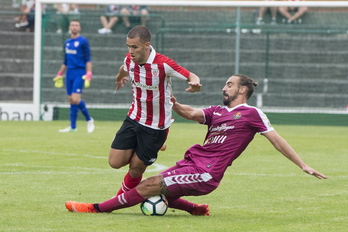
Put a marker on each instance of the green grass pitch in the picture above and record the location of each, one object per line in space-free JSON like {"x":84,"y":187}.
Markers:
{"x":40,"y":169}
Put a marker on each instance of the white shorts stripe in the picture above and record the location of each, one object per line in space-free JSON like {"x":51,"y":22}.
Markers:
{"x":187,"y":178}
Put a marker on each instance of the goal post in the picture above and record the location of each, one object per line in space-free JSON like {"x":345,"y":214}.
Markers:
{"x":228,"y":28}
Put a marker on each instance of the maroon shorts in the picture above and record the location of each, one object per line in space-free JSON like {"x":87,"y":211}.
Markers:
{"x":188,"y":181}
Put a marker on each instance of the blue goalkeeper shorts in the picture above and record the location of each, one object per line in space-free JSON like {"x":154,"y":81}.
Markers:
{"x":73,"y":80}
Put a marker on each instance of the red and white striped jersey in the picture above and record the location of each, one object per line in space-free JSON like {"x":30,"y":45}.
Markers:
{"x":151,"y":88}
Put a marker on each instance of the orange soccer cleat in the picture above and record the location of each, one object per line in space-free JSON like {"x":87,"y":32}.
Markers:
{"x":80,"y":207}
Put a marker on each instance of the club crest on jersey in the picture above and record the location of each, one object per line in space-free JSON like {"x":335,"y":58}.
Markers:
{"x":76,"y":43}
{"x":155,"y":73}
{"x":237,"y":115}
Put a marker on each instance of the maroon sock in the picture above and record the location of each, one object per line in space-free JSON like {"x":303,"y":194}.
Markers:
{"x":179,"y":203}
{"x":128,"y":183}
{"x":123,"y":200}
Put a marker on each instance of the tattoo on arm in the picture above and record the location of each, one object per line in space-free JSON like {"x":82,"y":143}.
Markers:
{"x":163,"y":187}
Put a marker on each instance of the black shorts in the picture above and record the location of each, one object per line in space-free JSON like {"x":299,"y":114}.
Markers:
{"x":144,"y":140}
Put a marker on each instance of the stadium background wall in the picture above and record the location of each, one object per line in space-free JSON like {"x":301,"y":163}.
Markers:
{"x":301,"y":68}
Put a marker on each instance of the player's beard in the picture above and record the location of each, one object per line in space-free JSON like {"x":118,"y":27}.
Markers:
{"x":74,"y":32}
{"x":229,"y":98}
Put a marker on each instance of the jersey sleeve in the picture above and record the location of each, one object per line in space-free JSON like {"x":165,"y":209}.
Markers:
{"x":207,"y":113}
{"x":260,"y":122}
{"x":87,"y":51}
{"x":175,"y":70}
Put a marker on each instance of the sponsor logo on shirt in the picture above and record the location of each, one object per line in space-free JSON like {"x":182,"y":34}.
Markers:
{"x":143,"y":86}
{"x":215,"y":113}
{"x":220,"y":137}
{"x":223,"y":127}
{"x":216,"y":139}
{"x":69,"y":51}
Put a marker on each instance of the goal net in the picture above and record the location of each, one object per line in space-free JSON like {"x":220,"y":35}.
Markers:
{"x":300,"y":64}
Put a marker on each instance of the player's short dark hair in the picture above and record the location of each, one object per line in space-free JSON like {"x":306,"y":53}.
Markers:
{"x":140,"y":31}
{"x":75,"y":20}
{"x":248,"y":82}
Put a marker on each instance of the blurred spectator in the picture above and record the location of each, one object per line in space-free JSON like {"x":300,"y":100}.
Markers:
{"x":65,"y":13}
{"x":112,"y":13}
{"x":297,"y":13}
{"x":23,"y":18}
{"x":29,"y":12}
{"x":109,"y":19}
{"x":263,"y":10}
{"x":135,"y":10}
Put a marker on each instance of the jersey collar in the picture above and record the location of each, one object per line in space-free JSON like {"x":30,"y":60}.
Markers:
{"x":231,"y":109}
{"x":151,"y":56}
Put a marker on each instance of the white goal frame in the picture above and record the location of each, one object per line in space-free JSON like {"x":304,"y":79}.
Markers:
{"x":216,"y":3}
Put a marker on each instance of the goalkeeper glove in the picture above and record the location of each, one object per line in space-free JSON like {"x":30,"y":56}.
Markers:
{"x":87,"y":77}
{"x":58,"y":80}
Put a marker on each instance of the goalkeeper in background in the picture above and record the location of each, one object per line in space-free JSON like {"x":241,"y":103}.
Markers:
{"x":78,"y":66}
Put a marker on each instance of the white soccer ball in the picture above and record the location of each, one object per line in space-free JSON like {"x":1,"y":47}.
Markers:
{"x":154,"y":206}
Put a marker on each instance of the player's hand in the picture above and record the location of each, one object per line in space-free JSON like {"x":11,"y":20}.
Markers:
{"x":58,"y":81}
{"x":172,"y":99}
{"x":194,"y":87}
{"x":87,"y":77}
{"x":313,"y":172}
{"x":121,"y":83}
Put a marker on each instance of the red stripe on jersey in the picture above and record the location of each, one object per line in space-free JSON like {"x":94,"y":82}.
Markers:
{"x":149,"y":95}
{"x":151,"y":90}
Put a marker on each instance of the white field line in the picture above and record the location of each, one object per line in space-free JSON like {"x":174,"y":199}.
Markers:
{"x":53,"y":153}
{"x":71,"y":170}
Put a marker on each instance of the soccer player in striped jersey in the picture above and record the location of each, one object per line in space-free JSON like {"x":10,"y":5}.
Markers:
{"x":78,"y":66}
{"x":230,"y":130}
{"x":145,"y":128}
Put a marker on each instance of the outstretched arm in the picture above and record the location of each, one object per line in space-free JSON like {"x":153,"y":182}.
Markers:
{"x":121,"y":78}
{"x":283,"y":147}
{"x":194,"y":83}
{"x":187,"y":111}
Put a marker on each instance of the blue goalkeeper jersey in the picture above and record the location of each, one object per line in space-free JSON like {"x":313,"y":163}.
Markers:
{"x":77,"y":53}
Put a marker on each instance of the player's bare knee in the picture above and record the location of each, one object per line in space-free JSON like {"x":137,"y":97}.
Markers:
{"x":116,"y":165}
{"x":135,"y":173}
